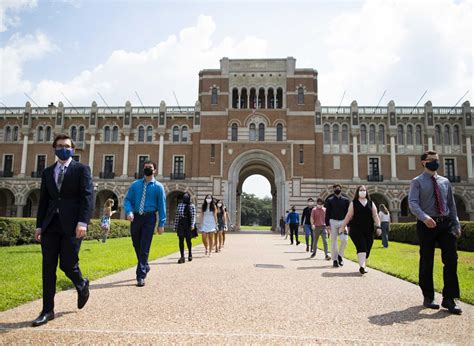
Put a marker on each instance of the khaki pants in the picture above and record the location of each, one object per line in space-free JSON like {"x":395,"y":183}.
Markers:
{"x":335,"y":225}
{"x":320,"y":231}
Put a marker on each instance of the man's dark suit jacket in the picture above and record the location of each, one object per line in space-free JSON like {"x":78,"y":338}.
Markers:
{"x":75,"y":201}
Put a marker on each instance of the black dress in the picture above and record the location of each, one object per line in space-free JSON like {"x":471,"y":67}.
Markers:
{"x":362,"y":227}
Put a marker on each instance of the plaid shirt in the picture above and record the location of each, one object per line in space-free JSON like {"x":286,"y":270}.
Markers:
{"x":180,"y":214}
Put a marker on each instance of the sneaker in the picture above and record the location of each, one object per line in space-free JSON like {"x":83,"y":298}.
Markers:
{"x":450,"y":304}
{"x":307,"y":249}
{"x":430,"y":303}
{"x":313,"y":254}
{"x":328,"y":257}
{"x":340,"y":261}
{"x":362,"y":270}
{"x":181,"y":260}
{"x":335,"y":264}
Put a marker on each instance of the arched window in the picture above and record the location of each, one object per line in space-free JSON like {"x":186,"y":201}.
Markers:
{"x":214,"y":96}
{"x":381,"y":134}
{"x":335,"y":134}
{"x":40,"y":134}
{"x":363,"y":134}
{"x":81,"y":134}
{"x":437,"y":135}
{"x":115,"y":134}
{"x":401,"y":135}
{"x":252,"y":132}
{"x":106,"y":134}
{"x":184,"y":134}
{"x":345,"y":134}
{"x":253,"y":98}
{"x":279,"y":132}
{"x":456,"y":137}
{"x":326,"y":135}
{"x":418,"y":135}
{"x":243,"y":98}
{"x":74,"y":133}
{"x":261,"y":98}
{"x":48,"y":134}
{"x":235,"y":98}
{"x":447,"y":135}
{"x":149,"y":134}
{"x":16,"y":134}
{"x":141,"y":134}
{"x":234,"y":132}
{"x":8,"y":134}
{"x":175,"y":134}
{"x":279,"y":98}
{"x":300,"y":96}
{"x":409,"y":134}
{"x":261,"y":132}
{"x":372,"y":134}
{"x":270,"y":98}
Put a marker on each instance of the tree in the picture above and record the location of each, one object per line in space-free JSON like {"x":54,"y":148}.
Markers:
{"x":255,"y":211}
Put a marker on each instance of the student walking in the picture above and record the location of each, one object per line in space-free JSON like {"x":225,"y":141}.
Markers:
{"x":221,"y":225}
{"x":282,"y":226}
{"x":208,"y":222}
{"x":306,"y":223}
{"x":336,"y":210}
{"x":362,"y":215}
{"x":184,"y":222}
{"x":384,"y":217}
{"x":318,"y":225}
{"x":292,"y":220}
{"x":105,"y":220}
{"x":431,"y":200}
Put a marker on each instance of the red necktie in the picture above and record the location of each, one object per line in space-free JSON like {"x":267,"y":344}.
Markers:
{"x":438,"y":200}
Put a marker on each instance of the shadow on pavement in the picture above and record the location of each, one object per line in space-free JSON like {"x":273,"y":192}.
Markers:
{"x":405,"y":316}
{"x":341,"y":274}
{"x":5,"y":327}
{"x":314,"y":267}
{"x":113,"y":284}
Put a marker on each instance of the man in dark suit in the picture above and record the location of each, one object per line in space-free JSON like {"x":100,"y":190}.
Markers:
{"x":65,"y":208}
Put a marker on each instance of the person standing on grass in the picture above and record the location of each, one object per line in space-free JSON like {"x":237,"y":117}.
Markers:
{"x":306,"y":223}
{"x":184,"y":222}
{"x":292,"y":220}
{"x":318,"y":225}
{"x":384,"y":217}
{"x":362,"y":214}
{"x":105,"y":220}
{"x":208,"y":222}
{"x":144,"y":199}
{"x":65,"y":208}
{"x":431,"y":200}
{"x":336,"y":210}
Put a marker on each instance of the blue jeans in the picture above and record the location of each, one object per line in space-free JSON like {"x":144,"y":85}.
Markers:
{"x":142,"y":229}
{"x":385,"y":229}
{"x":307,"y":235}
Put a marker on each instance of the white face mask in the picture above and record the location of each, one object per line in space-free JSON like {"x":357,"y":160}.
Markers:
{"x":208,"y":200}
{"x":219,"y":205}
{"x":362,"y":194}
{"x":310,"y":204}
{"x":320,"y":205}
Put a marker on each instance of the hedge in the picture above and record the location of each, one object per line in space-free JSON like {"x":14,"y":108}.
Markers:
{"x":406,"y":233}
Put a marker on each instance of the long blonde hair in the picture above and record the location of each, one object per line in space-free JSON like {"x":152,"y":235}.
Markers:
{"x":109,"y":203}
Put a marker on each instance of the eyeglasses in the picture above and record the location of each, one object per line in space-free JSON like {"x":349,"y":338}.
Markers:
{"x":60,"y":146}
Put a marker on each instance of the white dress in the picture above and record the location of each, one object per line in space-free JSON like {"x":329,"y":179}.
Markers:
{"x":208,"y":222}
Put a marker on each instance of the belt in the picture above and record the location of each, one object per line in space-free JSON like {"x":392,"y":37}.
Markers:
{"x":439,"y":219}
{"x":147,"y":213}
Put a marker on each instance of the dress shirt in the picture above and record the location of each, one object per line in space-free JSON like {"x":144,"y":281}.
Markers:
{"x":336,"y":208}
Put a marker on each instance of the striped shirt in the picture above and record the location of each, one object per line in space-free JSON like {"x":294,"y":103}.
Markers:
{"x":180,"y":215}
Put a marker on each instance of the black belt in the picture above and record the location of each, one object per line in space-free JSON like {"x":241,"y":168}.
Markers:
{"x":439,"y":219}
{"x":147,"y":213}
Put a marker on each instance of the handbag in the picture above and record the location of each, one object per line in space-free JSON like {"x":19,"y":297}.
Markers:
{"x":194,"y":232}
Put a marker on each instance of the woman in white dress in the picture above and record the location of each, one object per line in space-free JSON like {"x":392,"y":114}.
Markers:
{"x":208,"y":222}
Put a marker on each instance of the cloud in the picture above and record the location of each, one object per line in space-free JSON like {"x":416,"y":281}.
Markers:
{"x":170,"y":65}
{"x":9,"y":10}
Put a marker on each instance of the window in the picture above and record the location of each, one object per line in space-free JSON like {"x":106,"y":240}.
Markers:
{"x":374,"y":169}
{"x":40,"y":134}
{"x":261,"y":132}
{"x":76,"y":158}
{"x":243,"y":98}
{"x":437,"y":135}
{"x":213,"y":152}
{"x":106,"y":134}
{"x":279,"y":132}
{"x":40,"y":164}
{"x":234,"y":132}
{"x":15,"y":133}
{"x":73,"y":133}
{"x":409,"y":135}
{"x":252,"y":132}
{"x":449,"y":170}
{"x":141,"y":134}
{"x":372,"y":134}
{"x":235,"y":98}
{"x":300,"y":96}
{"x":178,"y":166}
{"x":184,"y":134}
{"x":301,"y":154}
{"x":381,"y":134}
{"x":345,"y":134}
{"x":261,"y":98}
{"x":115,"y":134}
{"x":81,"y":134}
{"x":418,"y":135}
{"x":456,"y":137}
{"x":335,"y":134}
{"x":270,"y":98}
{"x":141,"y":162}
{"x":175,"y":134}
{"x":214,"y":96}
{"x":401,"y":135}
{"x":7,"y":165}
{"x":447,"y":135}
{"x":279,"y":98}
{"x":326,"y":135}
{"x":363,"y":134}
{"x":48,"y":134}
{"x":149,"y":134}
{"x":108,"y":165}
{"x":8,"y":134}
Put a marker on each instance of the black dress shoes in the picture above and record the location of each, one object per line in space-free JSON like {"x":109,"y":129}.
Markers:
{"x":340,"y":261}
{"x":190,"y":258}
{"x":140,"y":282}
{"x":83,"y":294}
{"x":181,"y":260}
{"x":335,"y":264}
{"x":450,"y":304}
{"x":430,"y":303}
{"x":43,"y":318}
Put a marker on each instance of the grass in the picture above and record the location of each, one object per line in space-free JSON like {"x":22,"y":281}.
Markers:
{"x":20,"y":276}
{"x":401,"y":260}
{"x":256,"y":228}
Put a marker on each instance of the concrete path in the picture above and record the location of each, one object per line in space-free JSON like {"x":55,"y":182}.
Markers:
{"x":228,"y":299}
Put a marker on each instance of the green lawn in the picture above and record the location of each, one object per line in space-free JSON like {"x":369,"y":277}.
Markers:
{"x":256,"y":228}
{"x":20,"y":275}
{"x":401,"y":260}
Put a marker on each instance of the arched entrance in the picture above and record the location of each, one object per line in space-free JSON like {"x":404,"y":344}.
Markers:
{"x":172,"y":200}
{"x":250,"y":163}
{"x":32,"y":202}
{"x":7,"y":203}
{"x":100,"y":199}
{"x":461,"y":208}
{"x":379,"y":199}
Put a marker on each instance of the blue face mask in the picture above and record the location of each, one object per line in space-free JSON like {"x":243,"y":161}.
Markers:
{"x":433,"y":165}
{"x":64,"y":154}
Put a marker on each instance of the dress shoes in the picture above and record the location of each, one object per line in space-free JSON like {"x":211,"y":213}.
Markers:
{"x":83,"y":294}
{"x":181,"y":260}
{"x":450,"y":304}
{"x":430,"y":303}
{"x":190,"y":258}
{"x":43,"y":318}
{"x":340,"y":261}
{"x":313,"y":254}
{"x":140,"y":282}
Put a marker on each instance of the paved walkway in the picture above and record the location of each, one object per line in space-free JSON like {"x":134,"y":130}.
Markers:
{"x":227,"y":299}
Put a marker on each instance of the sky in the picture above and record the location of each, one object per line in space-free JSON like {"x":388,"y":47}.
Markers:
{"x":51,"y":50}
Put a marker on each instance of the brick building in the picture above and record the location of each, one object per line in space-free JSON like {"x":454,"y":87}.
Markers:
{"x":251,"y":117}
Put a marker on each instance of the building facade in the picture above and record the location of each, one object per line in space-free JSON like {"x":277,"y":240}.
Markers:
{"x":251,"y":117}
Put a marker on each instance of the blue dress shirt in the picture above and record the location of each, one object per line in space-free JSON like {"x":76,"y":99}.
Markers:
{"x":293,"y":217}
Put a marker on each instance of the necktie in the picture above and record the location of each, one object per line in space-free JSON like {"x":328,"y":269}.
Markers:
{"x":438,"y":200}
{"x":141,"y":209}
{"x":60,"y":177}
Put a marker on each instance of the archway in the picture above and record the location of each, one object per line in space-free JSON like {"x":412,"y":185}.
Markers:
{"x":100,"y":199}
{"x":172,"y":200}
{"x":7,"y":203}
{"x":405,"y":213}
{"x":379,"y":199}
{"x":256,"y":201}
{"x":256,"y":162}
{"x":461,"y":208}
{"x":32,"y":202}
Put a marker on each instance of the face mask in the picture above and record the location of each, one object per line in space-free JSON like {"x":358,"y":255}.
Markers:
{"x":433,"y":165}
{"x":362,"y":194}
{"x":219,"y":205}
{"x":148,"y":171}
{"x":64,"y":154}
{"x":320,"y":205}
{"x":310,"y":204}
{"x":208,"y":200}
{"x":337,"y":191}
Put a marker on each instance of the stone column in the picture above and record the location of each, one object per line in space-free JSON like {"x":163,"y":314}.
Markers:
{"x":355,"y":159}
{"x":394,"y":215}
{"x":125,"y":156}
{"x":91,"y":154}
{"x":469,"y":159}
{"x":24,"y":155}
{"x":161,"y":153}
{"x":238,"y":99}
{"x":430,"y":143}
{"x":248,"y":100}
{"x":393,"y":158}
{"x":19,"y":210}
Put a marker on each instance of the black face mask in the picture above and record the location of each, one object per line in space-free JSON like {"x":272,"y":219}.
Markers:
{"x":337,"y":191}
{"x":148,"y":171}
{"x":433,"y":165}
